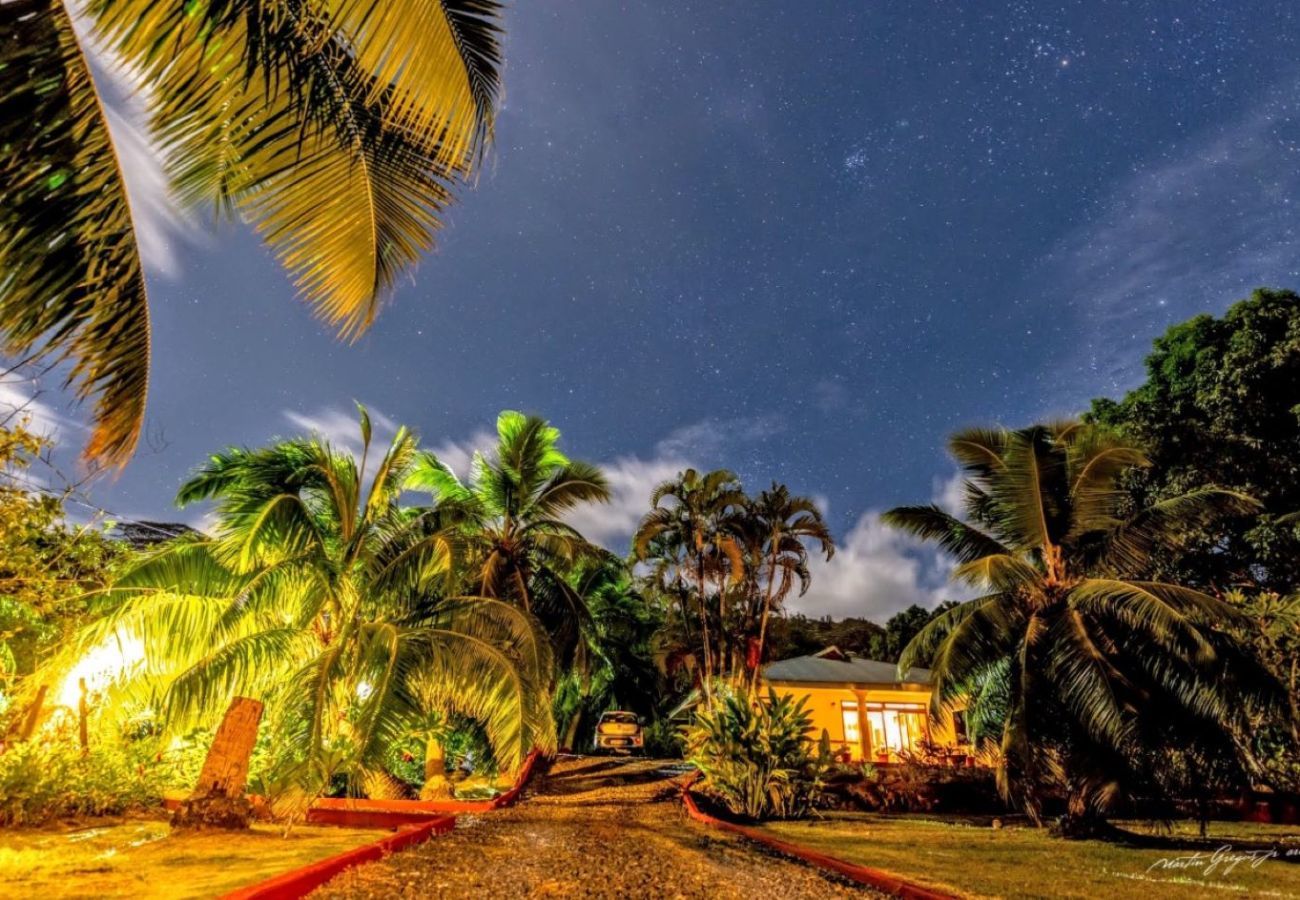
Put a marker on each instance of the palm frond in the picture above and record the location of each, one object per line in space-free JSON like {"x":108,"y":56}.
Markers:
{"x":71,"y":283}
{"x":931,"y":523}
{"x":1128,"y":547}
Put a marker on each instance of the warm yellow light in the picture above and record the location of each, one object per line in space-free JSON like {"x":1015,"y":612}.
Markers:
{"x":105,"y":663}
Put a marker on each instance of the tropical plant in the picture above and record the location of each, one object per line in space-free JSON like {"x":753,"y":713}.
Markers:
{"x":336,"y":128}
{"x":509,"y":518}
{"x":754,"y":754}
{"x":779,"y":526}
{"x":1093,"y":668}
{"x":51,"y":779}
{"x":325,"y":599}
{"x":693,"y":532}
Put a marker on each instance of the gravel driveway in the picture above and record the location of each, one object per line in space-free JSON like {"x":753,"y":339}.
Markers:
{"x":592,"y":827}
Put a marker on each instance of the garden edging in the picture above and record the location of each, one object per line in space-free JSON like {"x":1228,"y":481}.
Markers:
{"x":876,"y":878}
{"x":434,"y":817}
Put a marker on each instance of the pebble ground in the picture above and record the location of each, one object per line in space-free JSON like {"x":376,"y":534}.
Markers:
{"x":591,"y":827}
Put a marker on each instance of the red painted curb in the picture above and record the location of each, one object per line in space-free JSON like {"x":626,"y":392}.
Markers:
{"x":362,"y":812}
{"x":414,"y":814}
{"x":302,"y":881}
{"x":876,"y":878}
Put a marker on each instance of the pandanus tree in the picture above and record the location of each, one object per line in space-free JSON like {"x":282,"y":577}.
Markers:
{"x":324,"y":597}
{"x":779,"y":526}
{"x":337,"y":128}
{"x":1079,"y":669}
{"x":509,"y":517}
{"x":694,"y":527}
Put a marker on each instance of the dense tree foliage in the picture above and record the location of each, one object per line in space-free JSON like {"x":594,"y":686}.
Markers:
{"x":625,"y":671}
{"x":799,"y":635}
{"x":47,"y":565}
{"x":1221,"y":406}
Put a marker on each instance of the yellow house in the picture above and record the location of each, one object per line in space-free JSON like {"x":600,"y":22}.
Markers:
{"x":867,"y":710}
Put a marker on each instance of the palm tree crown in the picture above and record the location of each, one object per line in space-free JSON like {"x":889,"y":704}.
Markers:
{"x":780,"y":526}
{"x":510,"y":520}
{"x":336,"y":128}
{"x":694,"y":528}
{"x":1073,"y":663}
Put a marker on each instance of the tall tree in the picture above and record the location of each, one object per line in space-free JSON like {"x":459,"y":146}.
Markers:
{"x":336,"y":127}
{"x":1221,"y":405}
{"x":1093,"y":667}
{"x":324,"y":597}
{"x":694,"y":526}
{"x":509,"y":517}
{"x":782,"y":525}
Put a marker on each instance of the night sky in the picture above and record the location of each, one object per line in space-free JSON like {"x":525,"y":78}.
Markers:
{"x":805,"y":241}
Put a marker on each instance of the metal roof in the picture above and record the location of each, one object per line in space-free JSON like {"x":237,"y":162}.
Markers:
{"x":837,"y":671}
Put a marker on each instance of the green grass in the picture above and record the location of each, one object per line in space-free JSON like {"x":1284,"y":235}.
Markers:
{"x":142,"y":859}
{"x":1027,"y":862}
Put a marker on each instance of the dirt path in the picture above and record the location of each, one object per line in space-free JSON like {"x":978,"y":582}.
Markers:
{"x":593,"y":827}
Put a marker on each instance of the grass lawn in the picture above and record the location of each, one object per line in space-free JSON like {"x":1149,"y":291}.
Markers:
{"x":140,"y":858}
{"x":1026,"y":862}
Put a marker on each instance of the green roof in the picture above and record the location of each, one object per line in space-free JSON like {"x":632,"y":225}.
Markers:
{"x":833,"y":670}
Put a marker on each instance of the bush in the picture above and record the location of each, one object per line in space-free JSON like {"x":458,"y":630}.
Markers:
{"x":754,"y":755}
{"x":44,"y":781}
{"x":662,"y":740}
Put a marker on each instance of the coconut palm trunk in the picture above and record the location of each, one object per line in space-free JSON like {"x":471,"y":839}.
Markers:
{"x":704,"y":634}
{"x":762,"y":625}
{"x":218,"y":799}
{"x":436,"y":785}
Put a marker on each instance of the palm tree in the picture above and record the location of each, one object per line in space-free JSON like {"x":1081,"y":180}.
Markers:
{"x":336,"y":128}
{"x":510,"y":519}
{"x":1088,"y":667}
{"x":780,"y":525}
{"x":698,"y":532}
{"x":326,"y":599}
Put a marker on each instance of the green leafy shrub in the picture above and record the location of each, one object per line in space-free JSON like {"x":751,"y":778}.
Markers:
{"x":755,"y":756}
{"x":662,"y":740}
{"x":44,"y":781}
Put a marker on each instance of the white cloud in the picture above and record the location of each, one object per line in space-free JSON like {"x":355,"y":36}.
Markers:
{"x":341,"y":427}
{"x":949,"y":494}
{"x":458,"y":455}
{"x":876,"y":572}
{"x":708,"y":440}
{"x":631,"y":481}
{"x":159,"y":219}
{"x":19,"y":399}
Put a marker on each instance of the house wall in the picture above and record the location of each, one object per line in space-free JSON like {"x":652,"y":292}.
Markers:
{"x":826,"y":705}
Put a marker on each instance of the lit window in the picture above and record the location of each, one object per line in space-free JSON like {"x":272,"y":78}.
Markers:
{"x":850,"y":712}
{"x":896,"y":727}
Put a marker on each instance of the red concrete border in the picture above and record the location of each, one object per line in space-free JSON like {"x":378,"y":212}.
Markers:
{"x":415,"y":815}
{"x":302,"y":881}
{"x":361,"y":812}
{"x":876,"y":878}
{"x":366,"y":813}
